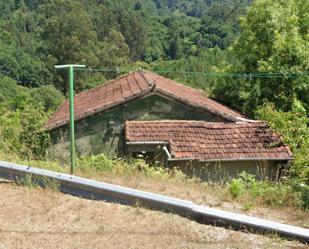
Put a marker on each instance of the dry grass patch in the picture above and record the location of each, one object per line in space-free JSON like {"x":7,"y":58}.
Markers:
{"x":38,"y":218}
{"x":210,"y":195}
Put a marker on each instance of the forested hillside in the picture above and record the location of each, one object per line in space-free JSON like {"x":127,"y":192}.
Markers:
{"x":251,"y":55}
{"x":36,"y":35}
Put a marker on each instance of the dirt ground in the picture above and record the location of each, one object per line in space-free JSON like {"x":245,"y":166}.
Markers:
{"x":38,"y":218}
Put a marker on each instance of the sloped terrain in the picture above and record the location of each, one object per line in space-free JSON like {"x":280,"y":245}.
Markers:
{"x":37,"y":218}
{"x":215,"y":196}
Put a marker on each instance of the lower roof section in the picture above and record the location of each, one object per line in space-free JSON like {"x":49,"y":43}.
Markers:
{"x":207,"y":141}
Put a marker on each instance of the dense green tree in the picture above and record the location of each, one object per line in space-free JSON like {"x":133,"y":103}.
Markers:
{"x":11,"y":94}
{"x":6,"y":8}
{"x":22,"y":132}
{"x":18,"y":49}
{"x":106,"y":39}
{"x":103,"y":20}
{"x":181,"y":39}
{"x":47,"y":96}
{"x":133,"y":28}
{"x":194,"y":71}
{"x":293,"y":126}
{"x":113,"y":51}
{"x":68,"y":32}
{"x":274,"y":39}
{"x":137,"y":6}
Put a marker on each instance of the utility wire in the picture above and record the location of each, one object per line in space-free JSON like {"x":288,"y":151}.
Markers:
{"x":205,"y":74}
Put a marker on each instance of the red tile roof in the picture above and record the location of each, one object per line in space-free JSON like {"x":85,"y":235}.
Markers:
{"x":132,"y":86}
{"x":208,"y":141}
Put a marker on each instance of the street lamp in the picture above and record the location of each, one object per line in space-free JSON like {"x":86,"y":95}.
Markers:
{"x":71,"y":90}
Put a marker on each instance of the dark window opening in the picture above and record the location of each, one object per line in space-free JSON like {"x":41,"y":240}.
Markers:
{"x":148,"y":156}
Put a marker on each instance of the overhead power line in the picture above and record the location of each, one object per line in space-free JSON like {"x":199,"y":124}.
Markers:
{"x":205,"y":74}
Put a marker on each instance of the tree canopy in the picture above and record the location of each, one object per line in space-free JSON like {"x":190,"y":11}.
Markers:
{"x":274,"y":39}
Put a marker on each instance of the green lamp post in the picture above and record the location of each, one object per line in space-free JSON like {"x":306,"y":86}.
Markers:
{"x":71,"y":90}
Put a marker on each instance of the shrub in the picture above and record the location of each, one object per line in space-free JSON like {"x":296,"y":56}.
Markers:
{"x":12,"y":94}
{"x":303,"y":190}
{"x":22,"y":132}
{"x":236,"y":187}
{"x":293,"y":126}
{"x":275,"y":194}
{"x":98,"y":163}
{"x":48,"y":96}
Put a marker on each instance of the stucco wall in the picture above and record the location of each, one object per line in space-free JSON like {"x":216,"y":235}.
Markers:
{"x":103,"y":132}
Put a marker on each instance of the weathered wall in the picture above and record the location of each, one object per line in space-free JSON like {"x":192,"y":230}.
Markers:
{"x":225,"y":171}
{"x":215,"y":171}
{"x":103,"y":132}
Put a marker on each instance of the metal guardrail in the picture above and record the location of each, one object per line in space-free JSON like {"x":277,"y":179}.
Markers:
{"x":114,"y":193}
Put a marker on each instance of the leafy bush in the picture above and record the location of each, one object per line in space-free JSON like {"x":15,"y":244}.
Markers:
{"x":22,"y":132}
{"x":48,"y":96}
{"x":303,"y":190}
{"x":293,"y":126}
{"x":236,"y":187}
{"x":274,"y":39}
{"x":275,"y":194}
{"x":98,"y":163}
{"x":11,"y":94}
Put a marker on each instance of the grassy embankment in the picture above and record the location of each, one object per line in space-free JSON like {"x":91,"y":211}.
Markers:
{"x":264,"y":199}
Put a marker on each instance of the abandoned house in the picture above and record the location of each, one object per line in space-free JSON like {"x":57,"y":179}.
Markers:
{"x":145,"y":114}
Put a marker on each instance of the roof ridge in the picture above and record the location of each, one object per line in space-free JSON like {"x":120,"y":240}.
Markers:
{"x":197,"y":121}
{"x":95,"y":88}
{"x":103,"y":84}
{"x":141,"y":71}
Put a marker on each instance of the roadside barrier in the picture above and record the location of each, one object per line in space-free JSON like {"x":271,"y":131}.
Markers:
{"x":96,"y":190}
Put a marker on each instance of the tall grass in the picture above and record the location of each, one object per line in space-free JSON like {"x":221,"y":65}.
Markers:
{"x":102,"y":163}
{"x":275,"y":194}
{"x":245,"y":188}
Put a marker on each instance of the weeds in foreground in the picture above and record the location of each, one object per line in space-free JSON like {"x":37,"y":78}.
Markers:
{"x":275,"y":194}
{"x":101,"y":163}
{"x":244,"y":188}
{"x":31,"y":181}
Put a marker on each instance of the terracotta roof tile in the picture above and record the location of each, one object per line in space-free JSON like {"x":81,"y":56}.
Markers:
{"x":203,"y":140}
{"x":132,"y":86}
